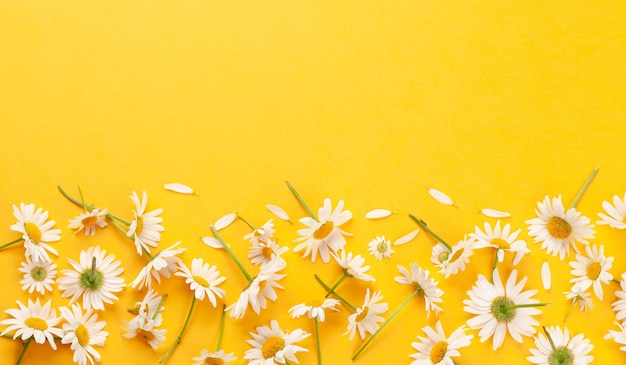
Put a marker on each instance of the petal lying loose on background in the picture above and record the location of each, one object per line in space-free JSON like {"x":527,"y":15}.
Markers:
{"x":546,"y":275}
{"x":378,"y":213}
{"x":492,"y":213}
{"x":278,"y":211}
{"x":178,"y":188}
{"x":406,"y":238}
{"x":212,"y":242}
{"x":225,"y":221}
{"x":440,"y":197}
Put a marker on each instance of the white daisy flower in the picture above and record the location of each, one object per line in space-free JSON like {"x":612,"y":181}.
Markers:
{"x":261,"y":234}
{"x":271,"y":345}
{"x":619,"y":306}
{"x":95,"y":277}
{"x":440,"y":254}
{"x":422,"y":282}
{"x":560,"y":347}
{"x":615,"y":213}
{"x":592,"y":270}
{"x":162,"y":264}
{"x":502,"y":240}
{"x":38,"y":275}
{"x":353,"y":266}
{"x":33,"y":320}
{"x":450,"y":262}
{"x":436,"y":348}
{"x":145,"y":330}
{"x":83,"y":332}
{"x":499,"y":309}
{"x":145,"y":228}
{"x":558,"y":229}
{"x":214,"y":358}
{"x":203,"y":279}
{"x":150,"y":307}
{"x":263,"y":252}
{"x":314,"y":311}
{"x":89,"y":221}
{"x":366,"y":318}
{"x":618,"y":336}
{"x":36,"y":231}
{"x":580,"y":296}
{"x":262,"y":287}
{"x":323,"y":236}
{"x":380,"y":247}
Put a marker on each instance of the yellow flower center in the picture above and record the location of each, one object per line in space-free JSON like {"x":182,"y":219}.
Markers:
{"x":456,"y":255}
{"x":90,"y":221}
{"x":361,"y":316}
{"x":271,"y":346}
{"x":33,"y":232}
{"x":139,"y":228}
{"x":36,"y":323}
{"x":200,"y":280}
{"x":213,"y":361}
{"x":559,"y":228}
{"x":267,"y":252}
{"x":146,"y":335}
{"x":500,"y":243}
{"x":324,"y":230}
{"x":82,"y":334}
{"x":593,"y":270}
{"x":438,"y":352}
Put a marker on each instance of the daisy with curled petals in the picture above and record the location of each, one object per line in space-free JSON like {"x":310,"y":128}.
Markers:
{"x":352,"y":268}
{"x":457,"y":258}
{"x":262,"y":287}
{"x":95,"y":277}
{"x":618,"y":336}
{"x":317,"y":313}
{"x":558,"y":229}
{"x":89,"y":221}
{"x":380,"y":248}
{"x":83,"y":331}
{"x":263,"y":252}
{"x":145,"y":324}
{"x":592,"y":270}
{"x":615,"y":213}
{"x":560,"y":347}
{"x":436,"y":348}
{"x":619,"y":306}
{"x":38,"y":275}
{"x":261,"y":234}
{"x":162,"y":264}
{"x":145,"y":228}
{"x":502,"y":239}
{"x":36,"y":231}
{"x":580,"y":296}
{"x":214,"y":358}
{"x":203,"y":279}
{"x":499,"y":309}
{"x":366,"y":318}
{"x":271,"y":345}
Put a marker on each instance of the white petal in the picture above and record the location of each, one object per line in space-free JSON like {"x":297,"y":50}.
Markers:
{"x":406,"y":238}
{"x":225,"y":221}
{"x":492,"y":213}
{"x":440,"y":197}
{"x":378,"y":213}
{"x":212,"y":242}
{"x":278,"y":211}
{"x":179,"y":188}
{"x":546,"y":276}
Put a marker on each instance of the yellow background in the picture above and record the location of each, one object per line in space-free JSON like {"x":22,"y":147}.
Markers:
{"x":495,"y":103}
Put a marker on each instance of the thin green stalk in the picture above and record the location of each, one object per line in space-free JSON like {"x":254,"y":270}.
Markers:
{"x":180,"y":335}
{"x":549,"y":338}
{"x":616,"y":281}
{"x":158,"y":308}
{"x":82,"y":200}
{"x":584,"y":188}
{"x":222,"y":322}
{"x":570,"y":308}
{"x":87,"y":206}
{"x":385,"y":324}
{"x":252,"y":227}
{"x":495,"y":264}
{"x":11,"y":243}
{"x":422,"y":224}
{"x":323,"y":284}
{"x":332,"y":290}
{"x":230,"y":252}
{"x":319,"y":347}
{"x":26,"y":344}
{"x":7,"y":335}
{"x":529,"y":305}
{"x":302,"y":202}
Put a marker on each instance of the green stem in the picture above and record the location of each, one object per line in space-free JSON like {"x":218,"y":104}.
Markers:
{"x":570,"y":308}
{"x":252,"y":227}
{"x":180,"y":335}
{"x":616,"y":281}
{"x":332,"y":290}
{"x":230,"y":252}
{"x":26,"y":344}
{"x":158,"y":308}
{"x":549,"y":338}
{"x":222,"y":322}
{"x":82,"y":200}
{"x":319,"y":347}
{"x":584,"y":188}
{"x":302,"y":202}
{"x":150,"y":256}
{"x":422,"y":224}
{"x":323,"y":284}
{"x":528,"y":305}
{"x":495,"y":265}
{"x":87,"y":206}
{"x":385,"y":324}
{"x":11,"y":243}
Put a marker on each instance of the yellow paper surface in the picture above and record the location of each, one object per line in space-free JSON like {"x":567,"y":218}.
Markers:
{"x":497,"y":104}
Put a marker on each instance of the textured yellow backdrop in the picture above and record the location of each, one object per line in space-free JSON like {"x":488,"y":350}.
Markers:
{"x":495,"y":103}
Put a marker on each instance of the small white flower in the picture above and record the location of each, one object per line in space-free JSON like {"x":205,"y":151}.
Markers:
{"x":580,"y":296}
{"x":353,"y":266}
{"x":150,"y":307}
{"x":38,"y":275}
{"x":261,"y":234}
{"x":163,"y":264}
{"x":89,"y":221}
{"x":379,"y":247}
{"x":146,"y":227}
{"x":615,"y":213}
{"x":203,"y":279}
{"x":263,"y":253}
{"x":567,"y":349}
{"x":146,"y":330}
{"x":261,"y":288}
{"x":36,"y":231}
{"x":502,"y":240}
{"x":425,"y":285}
{"x":33,"y":320}
{"x":592,"y":270}
{"x":366,"y":319}
{"x":314,"y":311}
{"x":214,"y":358}
{"x":83,"y":332}
{"x":455,"y":260}
{"x":271,"y":345}
{"x":618,"y":336}
{"x":436,"y":348}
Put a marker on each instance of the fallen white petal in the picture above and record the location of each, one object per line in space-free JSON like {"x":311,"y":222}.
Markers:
{"x":492,"y":213}
{"x":179,"y":188}
{"x":278,"y":211}
{"x":406,"y":238}
{"x":378,"y":213}
{"x":212,"y":242}
{"x":440,"y":197}
{"x":225,"y":221}
{"x":546,"y":276}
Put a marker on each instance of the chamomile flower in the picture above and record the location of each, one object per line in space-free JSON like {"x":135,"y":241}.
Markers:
{"x":259,"y":290}
{"x":314,"y":311}
{"x":261,"y":234}
{"x":271,"y":345}
{"x":558,"y":229}
{"x":440,"y":254}
{"x":353,"y":265}
{"x":146,"y":330}
{"x":502,"y":239}
{"x":36,"y":231}
{"x":619,"y":306}
{"x":151,"y":306}
{"x":560,"y":347}
{"x":89,"y":221}
{"x":323,"y":236}
{"x":380,"y":247}
{"x":592,"y":270}
{"x":618,"y":336}
{"x":366,"y":319}
{"x":263,"y":252}
{"x":214,"y":358}
{"x":95,"y":278}
{"x":83,"y":331}
{"x":425,"y":285}
{"x":436,"y":348}
{"x":580,"y":296}
{"x":615,"y":213}
{"x":38,"y":275}
{"x":162,"y":264}
{"x":499,"y":309}
{"x":456,"y":259}
{"x":145,"y":228}
{"x":203,"y":279}
{"x":33,"y":321}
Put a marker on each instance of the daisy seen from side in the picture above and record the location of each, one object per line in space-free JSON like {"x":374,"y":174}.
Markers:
{"x":261,"y":234}
{"x":263,"y":252}
{"x":456,"y":258}
{"x":214,"y":358}
{"x":380,"y":248}
{"x":36,"y":231}
{"x":203,"y":280}
{"x":502,"y":239}
{"x":438,"y":349}
{"x":314,"y":311}
{"x":162,"y":264}
{"x":33,"y":321}
{"x":367,"y":318}
{"x":424,"y":285}
{"x":83,"y":331}
{"x":580,"y":296}
{"x":559,"y":346}
{"x":271,"y":345}
{"x":262,"y":287}
{"x":38,"y":275}
{"x":592,"y":270}
{"x":89,"y":221}
{"x":615,"y":213}
{"x":146,"y":228}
